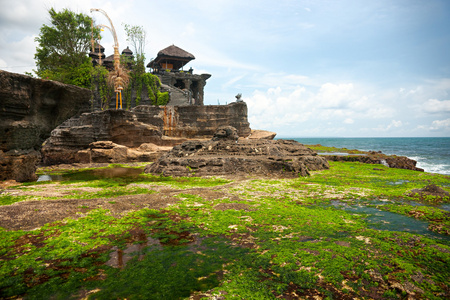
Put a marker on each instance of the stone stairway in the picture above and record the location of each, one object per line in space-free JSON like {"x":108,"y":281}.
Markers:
{"x":177,"y":97}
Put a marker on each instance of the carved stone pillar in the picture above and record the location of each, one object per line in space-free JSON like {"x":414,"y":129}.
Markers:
{"x":187,"y":84}
{"x":201,"y":86}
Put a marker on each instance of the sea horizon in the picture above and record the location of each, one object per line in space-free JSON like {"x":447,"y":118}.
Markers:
{"x":431,"y":153}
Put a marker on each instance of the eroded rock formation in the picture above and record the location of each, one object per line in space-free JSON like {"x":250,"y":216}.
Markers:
{"x":224,"y":156}
{"x":30,"y":109}
{"x":78,"y":140}
{"x":393,"y":161}
{"x":92,"y":136}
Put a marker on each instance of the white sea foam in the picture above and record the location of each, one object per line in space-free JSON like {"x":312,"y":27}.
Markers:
{"x":434,"y":168}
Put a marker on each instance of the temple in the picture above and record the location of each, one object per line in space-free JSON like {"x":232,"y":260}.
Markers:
{"x":185,"y":88}
{"x":99,"y":58}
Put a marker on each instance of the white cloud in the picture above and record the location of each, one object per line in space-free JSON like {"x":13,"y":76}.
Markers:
{"x":304,"y":107}
{"x":441,"y":125}
{"x":394,"y":124}
{"x":434,"y":106}
{"x":334,"y":95}
{"x":19,"y":60}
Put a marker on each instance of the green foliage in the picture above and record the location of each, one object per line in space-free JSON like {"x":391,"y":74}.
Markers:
{"x":63,"y":48}
{"x":100,"y":85}
{"x":136,"y":35}
{"x":6,"y":199}
{"x":152,"y":83}
{"x":138,"y":81}
{"x":163,"y":98}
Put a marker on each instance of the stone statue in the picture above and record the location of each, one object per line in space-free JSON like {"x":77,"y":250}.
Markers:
{"x":238,"y":98}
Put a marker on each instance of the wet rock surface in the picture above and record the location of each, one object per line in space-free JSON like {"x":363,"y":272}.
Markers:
{"x":280,"y":158}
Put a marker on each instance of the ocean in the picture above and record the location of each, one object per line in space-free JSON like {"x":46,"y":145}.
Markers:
{"x":431,"y":154}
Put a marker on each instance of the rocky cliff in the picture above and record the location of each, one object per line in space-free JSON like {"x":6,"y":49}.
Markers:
{"x":30,"y":109}
{"x":131,"y":132}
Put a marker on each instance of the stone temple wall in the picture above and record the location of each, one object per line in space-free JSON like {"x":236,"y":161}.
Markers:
{"x":195,"y":121}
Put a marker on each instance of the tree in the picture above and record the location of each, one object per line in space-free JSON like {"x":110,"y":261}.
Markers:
{"x":62,"y":54}
{"x":136,"y":35}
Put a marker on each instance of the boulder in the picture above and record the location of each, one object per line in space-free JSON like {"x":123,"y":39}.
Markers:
{"x":225,"y":133}
{"x":89,"y":132}
{"x":280,"y":158}
{"x":107,"y":152}
{"x":262,"y":134}
{"x":30,"y":109}
{"x":19,"y":165}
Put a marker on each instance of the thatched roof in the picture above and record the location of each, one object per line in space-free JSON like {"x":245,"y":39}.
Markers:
{"x":127,"y":51}
{"x":175,"y":52}
{"x":173,"y":55}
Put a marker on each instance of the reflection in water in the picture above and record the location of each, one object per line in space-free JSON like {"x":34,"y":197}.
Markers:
{"x":117,"y":172}
{"x":95,"y":173}
{"x":119,"y":258}
{"x":385,"y":220}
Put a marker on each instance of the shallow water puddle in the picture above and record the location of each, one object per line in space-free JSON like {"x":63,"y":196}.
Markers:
{"x":119,"y":258}
{"x":384,"y":220}
{"x":96,"y":173}
{"x":445,"y":207}
{"x":117,"y":172}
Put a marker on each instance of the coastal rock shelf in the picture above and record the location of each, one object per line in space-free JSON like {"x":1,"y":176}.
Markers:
{"x":279,"y":158}
{"x":392,"y":161}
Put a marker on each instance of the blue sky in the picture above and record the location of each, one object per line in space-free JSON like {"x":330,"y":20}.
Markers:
{"x":305,"y":68}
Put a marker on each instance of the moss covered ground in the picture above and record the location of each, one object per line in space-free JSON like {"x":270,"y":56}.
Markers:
{"x":229,"y":238}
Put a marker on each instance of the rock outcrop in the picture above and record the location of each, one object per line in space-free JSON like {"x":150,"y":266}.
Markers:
{"x":279,"y":158}
{"x":30,"y":109}
{"x":392,"y":161}
{"x":438,"y":193}
{"x":78,"y":139}
{"x":261,"y":134}
{"x":93,"y":137}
